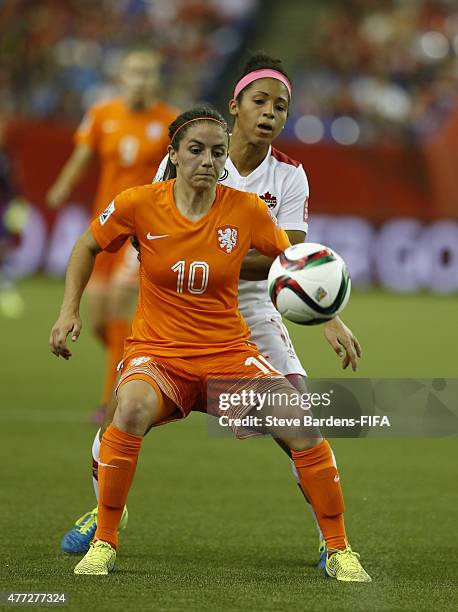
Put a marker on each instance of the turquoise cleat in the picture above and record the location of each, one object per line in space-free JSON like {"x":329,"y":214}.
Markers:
{"x":323,"y":552}
{"x":78,"y":539}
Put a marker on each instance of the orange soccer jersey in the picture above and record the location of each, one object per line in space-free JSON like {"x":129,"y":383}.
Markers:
{"x":189,"y":270}
{"x":130,"y":146}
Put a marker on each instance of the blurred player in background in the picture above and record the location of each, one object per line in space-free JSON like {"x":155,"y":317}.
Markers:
{"x":260,"y":108}
{"x":13,"y":217}
{"x":190,"y":268}
{"x":129,"y":137}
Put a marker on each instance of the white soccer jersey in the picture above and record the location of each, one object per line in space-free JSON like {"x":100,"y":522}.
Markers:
{"x":282,"y":183}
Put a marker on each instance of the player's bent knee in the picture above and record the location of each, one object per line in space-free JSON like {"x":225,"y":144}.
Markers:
{"x":134,"y":412}
{"x":139,"y":406}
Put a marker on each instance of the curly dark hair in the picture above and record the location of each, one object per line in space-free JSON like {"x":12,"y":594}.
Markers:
{"x":259,"y":61}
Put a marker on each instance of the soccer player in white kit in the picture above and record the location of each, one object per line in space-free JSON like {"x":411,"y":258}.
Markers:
{"x":260,"y":108}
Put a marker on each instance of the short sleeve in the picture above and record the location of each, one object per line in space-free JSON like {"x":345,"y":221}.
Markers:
{"x":116,"y":224}
{"x":87,"y":132}
{"x":267,"y":237}
{"x":293,"y":212}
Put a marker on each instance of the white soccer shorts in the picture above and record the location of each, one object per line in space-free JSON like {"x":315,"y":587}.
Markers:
{"x":273,"y":341}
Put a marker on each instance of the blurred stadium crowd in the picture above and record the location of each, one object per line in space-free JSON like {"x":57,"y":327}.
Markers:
{"x":377,"y":70}
{"x":370,"y":72}
{"x":57,"y":58}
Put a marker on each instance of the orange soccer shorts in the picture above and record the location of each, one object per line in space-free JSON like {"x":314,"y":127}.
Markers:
{"x":185,"y":381}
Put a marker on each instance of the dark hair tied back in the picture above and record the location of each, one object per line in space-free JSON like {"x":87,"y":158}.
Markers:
{"x":178,"y":129}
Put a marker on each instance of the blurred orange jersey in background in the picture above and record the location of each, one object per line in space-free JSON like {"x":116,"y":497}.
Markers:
{"x":189,"y":271}
{"x":129,"y":144}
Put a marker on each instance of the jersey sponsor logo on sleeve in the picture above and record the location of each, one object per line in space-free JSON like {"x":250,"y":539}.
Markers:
{"x":269,"y":199}
{"x":227,"y":238}
{"x":109,"y":210}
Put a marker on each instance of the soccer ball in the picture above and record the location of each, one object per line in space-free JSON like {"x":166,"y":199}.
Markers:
{"x":309,"y":283}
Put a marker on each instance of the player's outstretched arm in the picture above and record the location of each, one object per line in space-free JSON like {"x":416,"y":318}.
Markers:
{"x":343,"y":341}
{"x":69,"y":176}
{"x":79,"y":269}
{"x":256,"y":266}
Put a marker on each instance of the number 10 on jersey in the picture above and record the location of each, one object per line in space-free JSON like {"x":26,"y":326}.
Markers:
{"x":197,"y":276}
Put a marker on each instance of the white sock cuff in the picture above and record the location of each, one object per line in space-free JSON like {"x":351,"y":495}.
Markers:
{"x":333,"y":458}
{"x":96,"y":447}
{"x":294,"y":471}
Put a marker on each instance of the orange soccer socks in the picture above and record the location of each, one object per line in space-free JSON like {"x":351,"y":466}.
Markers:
{"x":320,"y":482}
{"x":118,"y":459}
{"x":117,"y":331}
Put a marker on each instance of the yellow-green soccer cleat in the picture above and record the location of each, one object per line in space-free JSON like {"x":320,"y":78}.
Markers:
{"x":79,"y":537}
{"x":344,"y":565}
{"x":98,"y":561}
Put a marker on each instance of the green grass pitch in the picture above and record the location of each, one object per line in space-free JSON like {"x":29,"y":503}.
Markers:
{"x":218,"y":524}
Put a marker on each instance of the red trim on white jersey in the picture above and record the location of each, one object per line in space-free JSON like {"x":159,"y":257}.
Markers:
{"x":282,"y":157}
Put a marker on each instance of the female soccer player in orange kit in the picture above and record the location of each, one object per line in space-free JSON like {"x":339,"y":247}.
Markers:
{"x":194,"y":235}
{"x":259,"y":106}
{"x":129,"y":137}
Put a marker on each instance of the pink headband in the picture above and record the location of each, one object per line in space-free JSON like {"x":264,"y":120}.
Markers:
{"x":265,"y":73}
{"x":196,"y":119}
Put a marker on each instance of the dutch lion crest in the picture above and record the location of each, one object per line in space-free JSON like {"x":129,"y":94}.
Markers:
{"x":227,"y":238}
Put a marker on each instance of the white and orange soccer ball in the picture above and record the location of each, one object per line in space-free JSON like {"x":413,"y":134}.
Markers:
{"x":309,"y":283}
